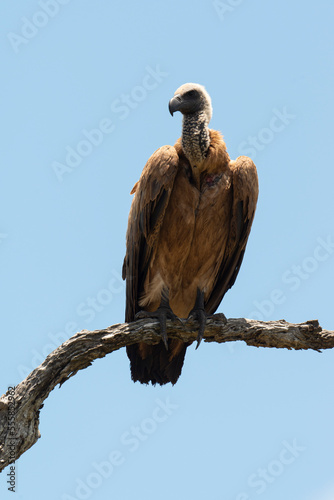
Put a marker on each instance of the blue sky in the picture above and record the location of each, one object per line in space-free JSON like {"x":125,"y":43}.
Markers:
{"x":85,"y":89}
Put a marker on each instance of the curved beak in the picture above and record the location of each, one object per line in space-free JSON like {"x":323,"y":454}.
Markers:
{"x":175,"y":104}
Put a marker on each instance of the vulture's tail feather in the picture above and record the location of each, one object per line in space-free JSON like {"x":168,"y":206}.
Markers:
{"x":155,"y":364}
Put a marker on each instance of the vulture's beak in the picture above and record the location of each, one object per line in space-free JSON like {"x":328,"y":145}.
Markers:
{"x":175,"y":104}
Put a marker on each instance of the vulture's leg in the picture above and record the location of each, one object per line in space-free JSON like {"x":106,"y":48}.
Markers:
{"x":163,"y":313}
{"x":198,"y":312}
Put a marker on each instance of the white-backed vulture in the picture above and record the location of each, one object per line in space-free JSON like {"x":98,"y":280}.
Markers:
{"x":188,"y":227}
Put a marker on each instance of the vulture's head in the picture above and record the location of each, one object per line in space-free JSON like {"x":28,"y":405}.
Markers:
{"x":190,"y":99}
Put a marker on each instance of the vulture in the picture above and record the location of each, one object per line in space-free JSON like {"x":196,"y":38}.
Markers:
{"x":188,"y":227}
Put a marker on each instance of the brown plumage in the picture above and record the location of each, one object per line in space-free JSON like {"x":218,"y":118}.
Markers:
{"x":188,"y":227}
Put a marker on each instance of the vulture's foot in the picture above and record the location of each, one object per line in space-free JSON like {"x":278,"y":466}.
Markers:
{"x":198,"y":313}
{"x":163,"y":313}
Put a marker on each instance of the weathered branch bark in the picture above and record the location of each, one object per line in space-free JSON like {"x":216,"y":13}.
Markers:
{"x":18,"y":434}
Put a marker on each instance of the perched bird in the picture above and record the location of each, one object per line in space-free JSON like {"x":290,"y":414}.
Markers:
{"x":188,"y":227}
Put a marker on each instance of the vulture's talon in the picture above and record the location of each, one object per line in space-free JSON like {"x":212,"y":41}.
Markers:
{"x":142,"y":315}
{"x":200,"y":315}
{"x":161,"y":314}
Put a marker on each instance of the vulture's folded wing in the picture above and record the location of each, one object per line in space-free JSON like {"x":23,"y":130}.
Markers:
{"x":245,"y":192}
{"x":152,"y":193}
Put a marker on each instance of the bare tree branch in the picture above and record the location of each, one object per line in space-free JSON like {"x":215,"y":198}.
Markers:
{"x":19,"y":408}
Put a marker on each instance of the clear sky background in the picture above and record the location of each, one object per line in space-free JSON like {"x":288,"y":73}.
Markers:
{"x":242,"y":423}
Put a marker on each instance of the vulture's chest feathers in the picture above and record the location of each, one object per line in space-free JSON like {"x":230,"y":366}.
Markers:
{"x":195,"y":229}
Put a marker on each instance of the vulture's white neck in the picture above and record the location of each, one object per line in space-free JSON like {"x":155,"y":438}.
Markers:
{"x":195,"y":137}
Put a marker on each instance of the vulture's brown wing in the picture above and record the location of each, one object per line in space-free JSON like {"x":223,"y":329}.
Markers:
{"x":245,"y":192}
{"x":152,"y":193}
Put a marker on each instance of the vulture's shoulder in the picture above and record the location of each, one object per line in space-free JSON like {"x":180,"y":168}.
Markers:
{"x":245,"y":180}
{"x":159,"y":170}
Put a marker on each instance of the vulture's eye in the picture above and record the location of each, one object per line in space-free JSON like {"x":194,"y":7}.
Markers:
{"x":191,"y":93}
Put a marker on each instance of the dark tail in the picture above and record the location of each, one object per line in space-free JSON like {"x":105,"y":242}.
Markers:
{"x":154,"y":364}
